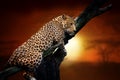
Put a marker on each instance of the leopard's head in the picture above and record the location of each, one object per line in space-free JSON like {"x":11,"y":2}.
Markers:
{"x":68,"y":24}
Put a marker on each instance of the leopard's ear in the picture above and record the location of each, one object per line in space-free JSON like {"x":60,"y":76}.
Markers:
{"x":64,"y":17}
{"x":75,"y":18}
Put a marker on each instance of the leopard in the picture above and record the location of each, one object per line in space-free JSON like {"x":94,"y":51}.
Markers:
{"x":30,"y":53}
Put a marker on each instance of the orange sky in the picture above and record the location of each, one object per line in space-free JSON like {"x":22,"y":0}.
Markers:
{"x":19,"y":20}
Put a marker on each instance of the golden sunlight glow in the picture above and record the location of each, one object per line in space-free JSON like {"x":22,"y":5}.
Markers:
{"x":74,"y":48}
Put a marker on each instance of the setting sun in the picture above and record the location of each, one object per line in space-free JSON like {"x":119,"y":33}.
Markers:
{"x":74,"y":47}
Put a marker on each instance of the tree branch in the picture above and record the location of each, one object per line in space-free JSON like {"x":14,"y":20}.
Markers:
{"x":8,"y":72}
{"x":93,"y":10}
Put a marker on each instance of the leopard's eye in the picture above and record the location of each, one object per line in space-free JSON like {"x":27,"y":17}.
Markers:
{"x":71,"y":23}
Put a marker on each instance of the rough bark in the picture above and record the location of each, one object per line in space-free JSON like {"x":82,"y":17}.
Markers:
{"x":49,"y":68}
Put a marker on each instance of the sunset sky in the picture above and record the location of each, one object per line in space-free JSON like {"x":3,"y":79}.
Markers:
{"x":19,"y":20}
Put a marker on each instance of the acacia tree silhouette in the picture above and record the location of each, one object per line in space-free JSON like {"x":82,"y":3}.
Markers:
{"x":49,"y":68}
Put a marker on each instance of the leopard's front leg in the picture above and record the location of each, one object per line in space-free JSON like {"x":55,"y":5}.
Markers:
{"x":54,"y":48}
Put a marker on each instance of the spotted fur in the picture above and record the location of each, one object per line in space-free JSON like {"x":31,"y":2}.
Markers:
{"x":29,"y":54}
